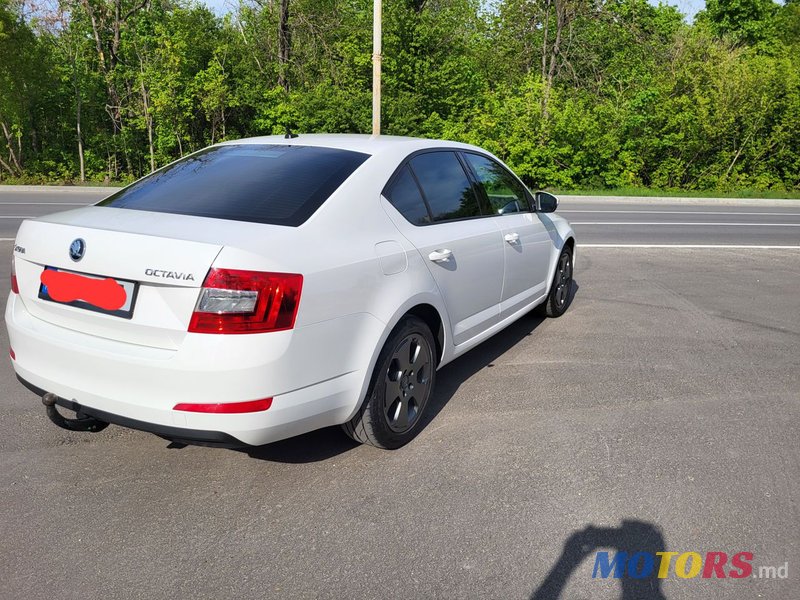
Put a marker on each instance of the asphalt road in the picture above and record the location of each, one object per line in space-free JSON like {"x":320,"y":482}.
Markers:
{"x":18,"y":203}
{"x":597,"y":220}
{"x":660,"y":413}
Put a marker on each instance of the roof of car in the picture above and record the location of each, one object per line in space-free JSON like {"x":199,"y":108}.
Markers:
{"x":367,"y":144}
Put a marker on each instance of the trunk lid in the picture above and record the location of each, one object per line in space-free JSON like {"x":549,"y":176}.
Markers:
{"x":166,"y":257}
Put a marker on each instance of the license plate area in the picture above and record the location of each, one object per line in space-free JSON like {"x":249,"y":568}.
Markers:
{"x":81,"y":291}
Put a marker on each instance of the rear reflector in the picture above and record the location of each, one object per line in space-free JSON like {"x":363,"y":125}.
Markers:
{"x":14,"y":285}
{"x":228,"y":408}
{"x":11,"y":354}
{"x":234,"y":301}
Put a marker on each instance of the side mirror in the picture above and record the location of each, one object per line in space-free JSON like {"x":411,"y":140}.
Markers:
{"x":545,"y":202}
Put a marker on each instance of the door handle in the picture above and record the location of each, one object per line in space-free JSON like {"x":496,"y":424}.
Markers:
{"x":440,"y":255}
{"x":512,"y":238}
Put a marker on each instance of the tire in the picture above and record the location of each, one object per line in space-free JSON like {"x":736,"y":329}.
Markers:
{"x":400,"y":388}
{"x":558,"y":300}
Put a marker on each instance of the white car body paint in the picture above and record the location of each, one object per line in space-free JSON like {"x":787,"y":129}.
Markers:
{"x":363,"y":265}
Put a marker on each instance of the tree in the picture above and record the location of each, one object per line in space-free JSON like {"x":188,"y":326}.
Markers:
{"x":598,"y":93}
{"x":748,"y":21}
{"x":18,"y":82}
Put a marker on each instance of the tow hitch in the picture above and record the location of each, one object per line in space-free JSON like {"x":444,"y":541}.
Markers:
{"x":81,"y":422}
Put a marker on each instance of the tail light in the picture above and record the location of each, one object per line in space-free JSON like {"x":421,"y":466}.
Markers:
{"x":233,"y":301}
{"x":14,"y":285}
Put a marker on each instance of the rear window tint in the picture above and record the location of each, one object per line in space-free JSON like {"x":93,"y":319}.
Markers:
{"x":445,"y":185}
{"x":405,"y":196}
{"x":273,"y":184}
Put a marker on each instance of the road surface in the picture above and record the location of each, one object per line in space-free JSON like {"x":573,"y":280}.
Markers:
{"x":660,"y":413}
{"x":597,"y":220}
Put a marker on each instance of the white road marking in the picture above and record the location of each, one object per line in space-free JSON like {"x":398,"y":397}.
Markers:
{"x":678,"y":212}
{"x":20,"y":216}
{"x":731,"y":246}
{"x":686,"y":223}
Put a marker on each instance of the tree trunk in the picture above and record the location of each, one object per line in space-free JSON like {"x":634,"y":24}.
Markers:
{"x":12,"y":156}
{"x":148,"y":119}
{"x":78,"y":106}
{"x":544,"y":38}
{"x":19,"y":148}
{"x":550,"y":57}
{"x":284,"y":45}
{"x":107,"y":63}
{"x":80,"y":141}
{"x":103,"y":20}
{"x":6,"y":166}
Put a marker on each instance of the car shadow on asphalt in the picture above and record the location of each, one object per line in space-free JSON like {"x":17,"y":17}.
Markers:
{"x":315,"y":446}
{"x":484,"y":355}
{"x":327,"y":443}
{"x":631,"y":537}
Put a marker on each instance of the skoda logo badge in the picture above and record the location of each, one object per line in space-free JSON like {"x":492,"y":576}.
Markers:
{"x":77,"y":249}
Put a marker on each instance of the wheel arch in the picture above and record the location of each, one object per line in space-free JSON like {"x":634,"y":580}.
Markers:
{"x":430,"y":315}
{"x":570,"y":242}
{"x":429,"y":308}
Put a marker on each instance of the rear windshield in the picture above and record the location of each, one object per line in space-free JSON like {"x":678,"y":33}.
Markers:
{"x":274,"y":184}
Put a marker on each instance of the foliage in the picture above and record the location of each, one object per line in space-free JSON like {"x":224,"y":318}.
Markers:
{"x":571,"y":93}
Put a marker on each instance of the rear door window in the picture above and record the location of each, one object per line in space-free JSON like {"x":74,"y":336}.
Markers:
{"x":405,"y":196}
{"x":445,"y":185}
{"x":260,"y":183}
{"x":505,"y":194}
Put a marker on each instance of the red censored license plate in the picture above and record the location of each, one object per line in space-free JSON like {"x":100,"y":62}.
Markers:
{"x":91,"y":292}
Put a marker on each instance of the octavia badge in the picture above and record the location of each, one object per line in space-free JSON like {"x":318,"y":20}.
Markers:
{"x":77,"y":249}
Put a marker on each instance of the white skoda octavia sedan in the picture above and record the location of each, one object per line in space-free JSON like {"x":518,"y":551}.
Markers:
{"x":267,"y":287}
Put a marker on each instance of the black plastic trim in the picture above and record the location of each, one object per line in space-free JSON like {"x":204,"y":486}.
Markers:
{"x":181,"y":435}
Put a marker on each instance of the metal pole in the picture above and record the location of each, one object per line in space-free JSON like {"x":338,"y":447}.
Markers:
{"x":376,"y":68}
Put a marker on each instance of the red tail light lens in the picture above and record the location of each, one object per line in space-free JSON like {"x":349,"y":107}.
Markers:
{"x":14,"y":285}
{"x":234,"y":301}
{"x":226,"y":408}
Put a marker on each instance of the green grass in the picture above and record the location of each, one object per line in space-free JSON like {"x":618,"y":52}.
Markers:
{"x":645,"y":192}
{"x":61,"y":182}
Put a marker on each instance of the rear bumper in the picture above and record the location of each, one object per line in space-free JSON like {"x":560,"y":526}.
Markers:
{"x":314,"y":380}
{"x":176,"y":434}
